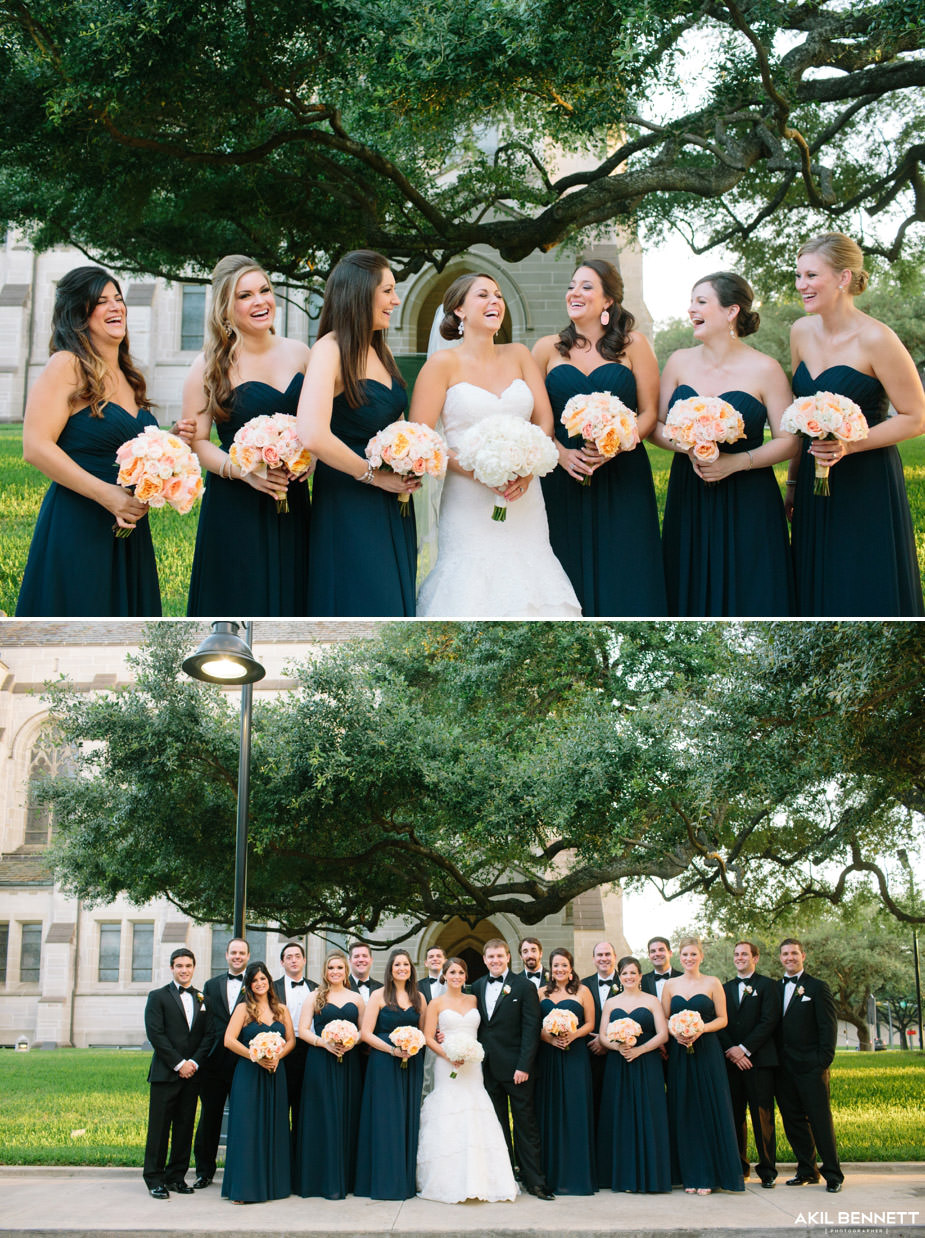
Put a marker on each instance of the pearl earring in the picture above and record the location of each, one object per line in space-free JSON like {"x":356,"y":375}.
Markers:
{"x":462,"y":327}
{"x":732,"y":332}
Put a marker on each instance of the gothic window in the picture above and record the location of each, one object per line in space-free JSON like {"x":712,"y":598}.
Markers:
{"x":48,"y":760}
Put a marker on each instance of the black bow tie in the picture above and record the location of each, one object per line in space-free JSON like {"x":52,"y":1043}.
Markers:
{"x":605,"y":982}
{"x":182,"y":989}
{"x":296,"y":983}
{"x":791,"y":979}
{"x":663,"y":975}
{"x":534,"y":975}
{"x":240,"y":979}
{"x":495,"y":979}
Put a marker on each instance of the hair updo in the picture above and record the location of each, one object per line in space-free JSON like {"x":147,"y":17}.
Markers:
{"x":455,"y":295}
{"x":842,"y":254}
{"x":732,"y":289}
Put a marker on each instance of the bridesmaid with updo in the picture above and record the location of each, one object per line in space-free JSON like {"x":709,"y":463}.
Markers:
{"x":854,"y":550}
{"x":725,"y":533}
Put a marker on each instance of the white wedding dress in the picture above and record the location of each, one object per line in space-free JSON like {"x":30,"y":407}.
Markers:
{"x":489,"y":568}
{"x":461,"y":1150}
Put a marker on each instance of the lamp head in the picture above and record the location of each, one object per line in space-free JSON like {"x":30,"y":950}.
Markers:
{"x":224,"y":658}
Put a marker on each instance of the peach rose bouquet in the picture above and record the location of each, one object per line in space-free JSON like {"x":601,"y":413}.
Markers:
{"x":602,"y":419}
{"x":266,"y":1047}
{"x":622,"y":1032}
{"x":340,"y":1032}
{"x":825,"y":415}
{"x":160,"y":469}
{"x":560,"y":1022}
{"x":270,"y":442}
{"x":700,"y":422}
{"x":410,"y":449}
{"x":685,"y":1023}
{"x":409,"y":1039}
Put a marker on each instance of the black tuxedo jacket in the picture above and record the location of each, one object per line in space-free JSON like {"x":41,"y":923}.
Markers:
{"x":373,"y":985}
{"x":590,"y":982}
{"x":216,"y":995}
{"x":280,"y":987}
{"x":172,"y":1040}
{"x":511,"y":1036}
{"x":647,"y":984}
{"x":808,"y":1028}
{"x":424,"y":986}
{"x":753,"y":1021}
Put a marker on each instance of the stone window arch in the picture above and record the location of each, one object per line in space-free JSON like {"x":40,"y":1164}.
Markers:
{"x":48,"y":758}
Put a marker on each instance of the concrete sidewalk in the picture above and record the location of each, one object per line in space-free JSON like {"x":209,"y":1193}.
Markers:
{"x":886,"y":1199}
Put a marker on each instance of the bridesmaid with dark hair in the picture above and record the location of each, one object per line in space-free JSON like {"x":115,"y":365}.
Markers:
{"x":259,"y":1154}
{"x":363,"y":559}
{"x":604,"y":534}
{"x":633,"y":1152}
{"x":853,"y":551}
{"x":390,"y":1117}
{"x":725,"y":533}
{"x":325,"y":1157}
{"x":249,"y":558}
{"x":89,"y":400}
{"x":564,"y":1102}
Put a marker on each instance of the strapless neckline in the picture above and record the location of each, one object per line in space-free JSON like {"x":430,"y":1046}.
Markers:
{"x":494,"y":395}
{"x":570,"y":365}
{"x":830,"y":368}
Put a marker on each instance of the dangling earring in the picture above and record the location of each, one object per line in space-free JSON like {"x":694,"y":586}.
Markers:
{"x":605,"y":318}
{"x":228,"y":327}
{"x":733,"y":334}
{"x":462,"y":327}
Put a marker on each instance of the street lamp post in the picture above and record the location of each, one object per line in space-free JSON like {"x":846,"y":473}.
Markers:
{"x":903,"y":857}
{"x":224,"y":658}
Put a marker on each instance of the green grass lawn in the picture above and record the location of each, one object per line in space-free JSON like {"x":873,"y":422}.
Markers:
{"x":89,"y":1107}
{"x":22,"y":488}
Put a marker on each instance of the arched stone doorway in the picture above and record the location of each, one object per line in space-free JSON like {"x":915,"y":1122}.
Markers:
{"x":459,"y":939}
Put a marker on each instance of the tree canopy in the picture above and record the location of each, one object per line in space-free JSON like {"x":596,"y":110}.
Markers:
{"x":159,"y":134}
{"x":476,"y":769}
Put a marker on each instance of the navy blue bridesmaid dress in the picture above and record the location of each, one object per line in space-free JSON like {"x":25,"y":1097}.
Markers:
{"x":390,"y":1117}
{"x":633,"y":1150}
{"x":605,"y":535}
{"x":363,"y":559}
{"x":704,"y":1151}
{"x":249,"y":559}
{"x":259,"y":1153}
{"x":726,"y":546}
{"x":565,"y":1109}
{"x":329,"y":1116}
{"x":77,"y":566}
{"x":854,"y":551}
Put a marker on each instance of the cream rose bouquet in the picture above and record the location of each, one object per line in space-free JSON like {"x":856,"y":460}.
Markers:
{"x":266,"y":1047}
{"x":160,"y":469}
{"x":501,"y":447}
{"x":409,"y":1039}
{"x":685,"y":1023}
{"x":560,"y":1023}
{"x":270,"y":442}
{"x":410,"y":449}
{"x":340,"y":1032}
{"x":825,"y":415}
{"x":699,"y":423}
{"x":602,"y":419}
{"x":623,"y":1032}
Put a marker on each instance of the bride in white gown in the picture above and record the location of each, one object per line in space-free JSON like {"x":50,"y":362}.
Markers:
{"x":461,"y":1150}
{"x":487,"y":568}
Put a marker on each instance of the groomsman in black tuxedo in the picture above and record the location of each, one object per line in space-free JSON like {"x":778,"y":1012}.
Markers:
{"x":222,"y":994}
{"x":602,"y":985}
{"x":361,"y":962}
{"x":175,"y":1024}
{"x":659,"y":950}
{"x":432,"y":986}
{"x":531,"y":954}
{"x":510,"y":1035}
{"x":805,"y":1048}
{"x":292,"y":988}
{"x":753,"y":1012}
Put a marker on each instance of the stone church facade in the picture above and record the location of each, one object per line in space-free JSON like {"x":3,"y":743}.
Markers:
{"x":77,"y":975}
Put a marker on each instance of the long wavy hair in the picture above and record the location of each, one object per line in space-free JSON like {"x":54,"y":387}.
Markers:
{"x":615,"y":340}
{"x":390,"y":995}
{"x":220,"y":347}
{"x":348,"y":312}
{"x":574,"y":981}
{"x":251,"y":1000}
{"x":321,"y":993}
{"x":76,"y":298}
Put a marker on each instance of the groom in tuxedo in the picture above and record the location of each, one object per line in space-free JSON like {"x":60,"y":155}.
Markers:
{"x":175,"y":1024}
{"x":510,"y":1035}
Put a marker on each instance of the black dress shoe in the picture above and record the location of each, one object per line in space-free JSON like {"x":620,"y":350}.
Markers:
{"x":200,"y":1183}
{"x":158,"y":1192}
{"x":179,"y":1188}
{"x":801,"y":1181}
{"x":768,"y":1184}
{"x":833,"y":1187}
{"x":541,"y":1192}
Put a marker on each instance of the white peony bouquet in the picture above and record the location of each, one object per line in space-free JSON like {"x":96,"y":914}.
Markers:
{"x":502,"y":447}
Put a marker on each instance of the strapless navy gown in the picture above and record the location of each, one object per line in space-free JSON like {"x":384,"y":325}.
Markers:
{"x":704,"y":1152}
{"x":249,"y":560}
{"x":390,"y":1117}
{"x":605,"y":535}
{"x":633,"y":1150}
{"x":363,"y":551}
{"x":77,"y":566}
{"x":726,"y":546}
{"x":326,"y":1144}
{"x":854,"y":551}
{"x":565,"y":1109}
{"x":257,"y":1160}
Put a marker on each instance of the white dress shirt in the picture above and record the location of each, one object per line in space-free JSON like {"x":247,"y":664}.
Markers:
{"x":493,"y":993}
{"x":295,"y":997}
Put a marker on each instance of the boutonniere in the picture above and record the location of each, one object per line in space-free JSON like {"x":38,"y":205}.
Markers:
{"x":748,"y":989}
{"x":505,"y":990}
{"x":614,"y":990}
{"x":201,"y":999}
{"x":800,"y":990}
